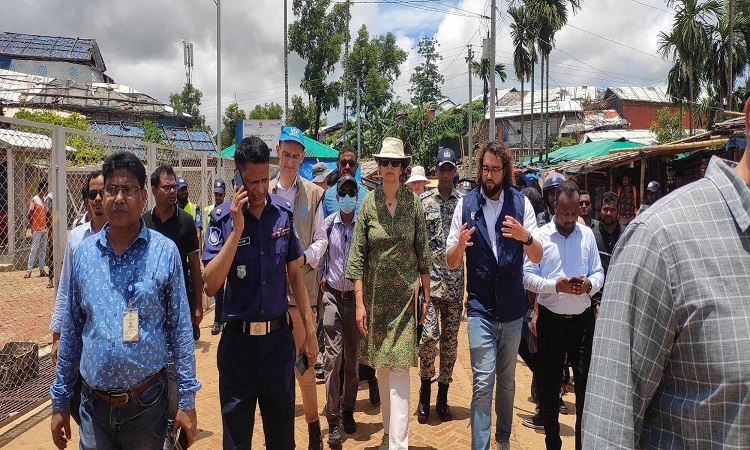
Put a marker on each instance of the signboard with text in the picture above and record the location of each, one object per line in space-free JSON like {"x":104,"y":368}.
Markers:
{"x":267,"y":129}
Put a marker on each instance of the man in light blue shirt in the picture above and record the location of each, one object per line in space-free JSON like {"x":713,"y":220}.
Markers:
{"x":346,"y":164}
{"x":566,"y":278}
{"x":126,"y":304}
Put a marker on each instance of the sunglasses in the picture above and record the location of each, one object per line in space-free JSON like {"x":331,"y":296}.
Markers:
{"x":352,"y":194}
{"x":348,"y":162}
{"x":384,"y":162}
{"x":93,"y":193}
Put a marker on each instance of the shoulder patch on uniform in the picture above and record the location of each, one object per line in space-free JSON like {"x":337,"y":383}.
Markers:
{"x":214,"y":235}
{"x":221,"y":211}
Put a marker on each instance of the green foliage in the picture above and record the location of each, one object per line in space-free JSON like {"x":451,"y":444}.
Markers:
{"x":266,"y":111}
{"x":561,"y":141}
{"x":151,"y":132}
{"x":232,"y":114}
{"x":481,"y":69}
{"x":426,"y":81}
{"x":299,"y":114}
{"x":668,"y":127}
{"x":88,"y":150}
{"x":376,"y":61}
{"x":189,"y":101}
{"x":317,"y":36}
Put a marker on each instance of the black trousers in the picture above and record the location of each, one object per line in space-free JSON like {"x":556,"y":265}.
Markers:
{"x":257,"y":370}
{"x":557,"y":336}
{"x":219,"y":305}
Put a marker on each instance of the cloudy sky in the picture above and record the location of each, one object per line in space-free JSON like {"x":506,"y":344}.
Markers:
{"x":607,"y":43}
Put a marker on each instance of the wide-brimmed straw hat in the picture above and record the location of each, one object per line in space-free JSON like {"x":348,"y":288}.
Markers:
{"x":392,"y":148}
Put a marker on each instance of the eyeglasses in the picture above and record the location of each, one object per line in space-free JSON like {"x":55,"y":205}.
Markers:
{"x":352,"y":194}
{"x":494,"y":170}
{"x":585,"y":203}
{"x":288,"y":155}
{"x":127,"y":191}
{"x":348,"y":162}
{"x":384,"y":162}
{"x":168,"y":187}
{"x":93,"y":193}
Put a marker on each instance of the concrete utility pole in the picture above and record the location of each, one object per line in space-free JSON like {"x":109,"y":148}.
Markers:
{"x":730,"y":51}
{"x":359,"y":140}
{"x":218,"y":77}
{"x":286,"y":67}
{"x":469,"y":59}
{"x":493,"y":45}
{"x":346,"y":58}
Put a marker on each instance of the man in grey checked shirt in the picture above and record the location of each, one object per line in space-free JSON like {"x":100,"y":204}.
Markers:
{"x":671,"y":357}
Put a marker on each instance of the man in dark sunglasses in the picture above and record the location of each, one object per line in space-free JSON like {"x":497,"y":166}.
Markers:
{"x":586,"y":209}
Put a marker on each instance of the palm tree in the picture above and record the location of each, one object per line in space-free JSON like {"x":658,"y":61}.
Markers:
{"x":481,"y":69}
{"x":717,"y":61}
{"x":689,"y":40}
{"x":522,"y":59}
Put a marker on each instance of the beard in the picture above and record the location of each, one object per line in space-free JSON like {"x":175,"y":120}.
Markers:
{"x":490,"y":192}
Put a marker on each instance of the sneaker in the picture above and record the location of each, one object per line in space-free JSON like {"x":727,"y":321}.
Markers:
{"x":563,"y":407}
{"x":350,"y":426}
{"x":535,"y":422}
{"x":216,"y":328}
{"x":196,"y":332}
{"x":384,"y":442}
{"x":374,"y":392}
{"x":334,"y":436}
{"x":320,"y":374}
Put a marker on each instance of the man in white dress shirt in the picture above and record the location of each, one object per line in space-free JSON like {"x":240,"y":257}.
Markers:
{"x":567,"y":276}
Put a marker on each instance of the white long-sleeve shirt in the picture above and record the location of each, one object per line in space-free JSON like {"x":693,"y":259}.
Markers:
{"x":317,"y":248}
{"x":564,"y":257}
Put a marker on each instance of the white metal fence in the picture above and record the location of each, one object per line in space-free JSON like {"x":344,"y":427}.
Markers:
{"x":31,"y":153}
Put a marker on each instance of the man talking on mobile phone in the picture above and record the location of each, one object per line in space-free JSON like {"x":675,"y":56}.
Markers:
{"x":563,"y":321}
{"x":254,"y":249}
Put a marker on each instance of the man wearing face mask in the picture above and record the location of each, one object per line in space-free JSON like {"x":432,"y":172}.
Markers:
{"x":338,"y":311}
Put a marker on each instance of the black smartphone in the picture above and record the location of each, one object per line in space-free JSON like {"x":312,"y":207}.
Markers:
{"x":301,"y":364}
{"x":180,"y":440}
{"x":576,"y":280}
{"x":238,"y":183}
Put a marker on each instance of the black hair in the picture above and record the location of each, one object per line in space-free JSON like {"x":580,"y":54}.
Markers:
{"x":567,"y":187}
{"x":124,"y":160}
{"x":42,"y":185}
{"x":251,"y":150}
{"x":156,"y":175}
{"x":348,"y":149}
{"x":535,"y":198}
{"x":584,"y":192}
{"x":610,"y":197}
{"x":85,"y":189}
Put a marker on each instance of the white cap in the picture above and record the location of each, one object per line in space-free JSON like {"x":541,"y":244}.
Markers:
{"x":417,"y":174}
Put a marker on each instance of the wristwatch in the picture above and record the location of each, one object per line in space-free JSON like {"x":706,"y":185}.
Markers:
{"x":591,"y":286}
{"x":530,"y":240}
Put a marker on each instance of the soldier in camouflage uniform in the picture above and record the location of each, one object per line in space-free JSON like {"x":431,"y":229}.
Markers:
{"x":447,"y":286}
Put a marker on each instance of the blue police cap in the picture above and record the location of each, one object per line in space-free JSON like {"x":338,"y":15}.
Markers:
{"x":181,"y":183}
{"x":219,"y":186}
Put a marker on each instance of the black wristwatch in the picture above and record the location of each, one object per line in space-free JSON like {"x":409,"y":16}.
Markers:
{"x":530,"y":240}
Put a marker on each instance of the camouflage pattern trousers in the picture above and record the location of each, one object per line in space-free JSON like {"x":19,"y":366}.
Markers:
{"x":449,"y":312}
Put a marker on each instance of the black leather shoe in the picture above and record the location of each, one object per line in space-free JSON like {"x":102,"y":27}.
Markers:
{"x":350,"y":426}
{"x":216,"y":328}
{"x":374,"y":392}
{"x":196,"y":332}
{"x":536,"y":421}
{"x":334,"y":436}
{"x":423,"y":409}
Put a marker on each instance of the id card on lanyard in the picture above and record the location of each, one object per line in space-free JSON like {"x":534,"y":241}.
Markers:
{"x":130,"y":318}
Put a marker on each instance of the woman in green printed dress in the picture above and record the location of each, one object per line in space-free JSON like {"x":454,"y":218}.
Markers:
{"x":389,"y":251}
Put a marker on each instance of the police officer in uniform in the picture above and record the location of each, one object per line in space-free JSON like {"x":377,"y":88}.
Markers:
{"x":251,"y":243}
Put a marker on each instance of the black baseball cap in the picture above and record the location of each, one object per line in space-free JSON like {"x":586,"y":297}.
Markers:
{"x":343,"y":179}
{"x":446,"y":156}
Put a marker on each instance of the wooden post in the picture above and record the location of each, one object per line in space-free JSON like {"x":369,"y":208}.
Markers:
{"x":643,"y":176}
{"x":586,"y":181}
{"x":612,"y":179}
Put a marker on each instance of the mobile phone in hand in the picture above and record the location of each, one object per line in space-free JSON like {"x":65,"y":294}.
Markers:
{"x":576,"y":280}
{"x":301,"y":364}
{"x":180,"y":440}
{"x":238,"y":183}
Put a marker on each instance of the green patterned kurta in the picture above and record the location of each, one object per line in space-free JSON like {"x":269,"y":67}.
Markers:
{"x":388,"y":254}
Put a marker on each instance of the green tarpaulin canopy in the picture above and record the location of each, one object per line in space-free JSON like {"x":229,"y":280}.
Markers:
{"x":584,"y":151}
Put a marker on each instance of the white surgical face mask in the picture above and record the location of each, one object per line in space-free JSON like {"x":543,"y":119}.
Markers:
{"x":347,"y":204}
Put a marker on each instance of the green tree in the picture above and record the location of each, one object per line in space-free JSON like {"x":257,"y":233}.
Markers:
{"x":266,"y":111}
{"x":376,"y":61}
{"x":523,"y":58}
{"x":688,"y":40}
{"x":668,"y":127}
{"x":151,"y":132}
{"x":87,"y":150}
{"x":481,"y":69}
{"x":299,"y":114}
{"x":232,"y":114}
{"x":189,"y":101}
{"x":557,"y":142}
{"x":717,"y":62}
{"x":426,"y":81}
{"x":317,"y":36}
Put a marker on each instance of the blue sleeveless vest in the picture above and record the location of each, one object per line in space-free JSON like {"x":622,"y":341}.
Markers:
{"x":495,"y":287}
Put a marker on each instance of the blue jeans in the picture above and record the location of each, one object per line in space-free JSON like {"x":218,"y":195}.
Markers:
{"x":493,"y":347}
{"x":138,"y":424}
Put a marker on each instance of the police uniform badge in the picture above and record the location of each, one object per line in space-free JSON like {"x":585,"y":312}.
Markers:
{"x":241,"y":271}
{"x":214,"y":235}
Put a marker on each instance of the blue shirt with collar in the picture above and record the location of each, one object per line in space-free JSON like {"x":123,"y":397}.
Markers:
{"x":76,"y":236}
{"x":331,"y":203}
{"x":148,"y":277}
{"x":256,"y":288}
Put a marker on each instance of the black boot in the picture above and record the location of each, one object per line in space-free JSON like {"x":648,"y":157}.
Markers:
{"x":442,"y":408}
{"x":374,"y":392}
{"x":423,"y":409}
{"x":313,"y":432}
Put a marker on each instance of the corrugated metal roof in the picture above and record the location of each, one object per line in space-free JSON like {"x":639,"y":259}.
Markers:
{"x":646,"y":137}
{"x":24,"y":139}
{"x":30,"y":46}
{"x":653,"y":94}
{"x":514,"y":110}
{"x":183,"y":138}
{"x":579,"y":93}
{"x":593,"y":120}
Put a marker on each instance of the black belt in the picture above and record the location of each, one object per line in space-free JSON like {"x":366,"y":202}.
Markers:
{"x":346,"y":295}
{"x":563,"y":317}
{"x":119,"y":398}
{"x":257,"y":328}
